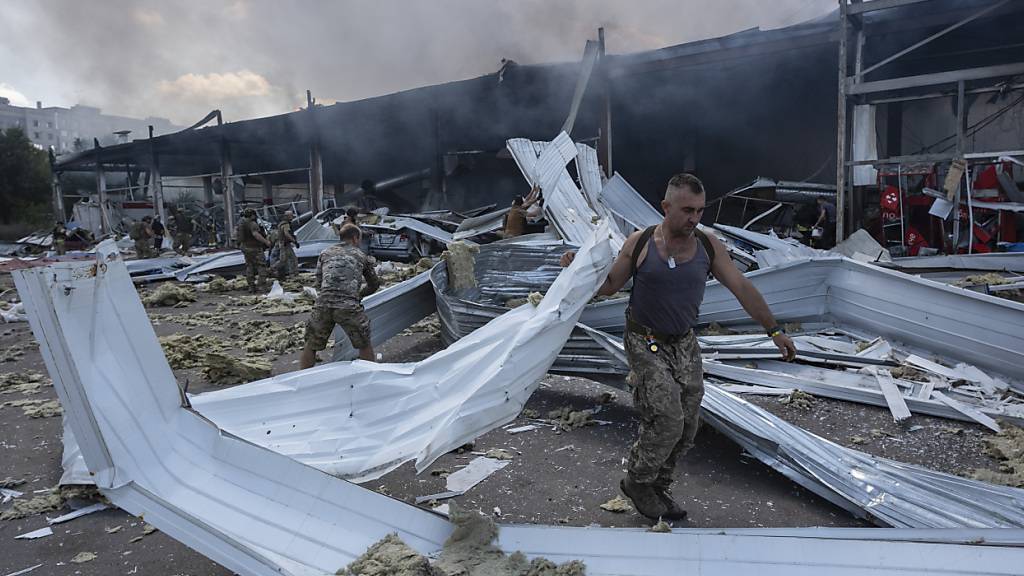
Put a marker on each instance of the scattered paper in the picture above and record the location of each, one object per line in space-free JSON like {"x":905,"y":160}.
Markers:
{"x":521,"y":429}
{"x":25,"y":571}
{"x":83,"y":557}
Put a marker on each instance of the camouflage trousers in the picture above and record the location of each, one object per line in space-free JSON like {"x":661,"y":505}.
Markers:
{"x":144,"y":249}
{"x":59,"y":247}
{"x":182,"y":242}
{"x":255,"y":266}
{"x":668,"y":386}
{"x":287,"y":262}
{"x":352,"y":319}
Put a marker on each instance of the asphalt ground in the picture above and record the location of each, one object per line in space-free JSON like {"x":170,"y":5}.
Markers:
{"x":555,"y":476}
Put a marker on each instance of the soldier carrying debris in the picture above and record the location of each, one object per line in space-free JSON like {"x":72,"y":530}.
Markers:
{"x":339,"y":273}
{"x":184,"y":226}
{"x":288,"y":264}
{"x":252,"y":242}
{"x":142,"y":234}
{"x":669,"y":264}
{"x":515,"y":220}
{"x":60,"y":237}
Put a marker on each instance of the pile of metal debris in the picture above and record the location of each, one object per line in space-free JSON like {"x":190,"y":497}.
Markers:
{"x":865,"y":333}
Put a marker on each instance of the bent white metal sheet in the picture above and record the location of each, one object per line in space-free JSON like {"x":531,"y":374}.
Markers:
{"x":260,"y":513}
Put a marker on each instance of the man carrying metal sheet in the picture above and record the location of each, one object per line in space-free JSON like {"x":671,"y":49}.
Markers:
{"x":669,"y":264}
{"x":340,"y":271}
{"x":252,"y":243}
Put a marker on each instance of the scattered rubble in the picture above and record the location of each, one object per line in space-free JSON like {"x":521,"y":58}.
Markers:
{"x":661,"y":527}
{"x":222,"y":369}
{"x":28,"y":382}
{"x":535,"y":298}
{"x":429,"y":325}
{"x":1008,"y":447}
{"x":220,"y":285}
{"x":36,"y":408}
{"x":83,"y":557}
{"x":188,"y":350}
{"x":170,"y":294}
{"x":568,"y":419}
{"x":905,"y":372}
{"x":617,"y":505}
{"x":390,"y":557}
{"x":500,"y":454}
{"x":989,"y":279}
{"x":9,"y":482}
{"x":461,"y":262}
{"x":45,"y":502}
{"x":798,"y":399}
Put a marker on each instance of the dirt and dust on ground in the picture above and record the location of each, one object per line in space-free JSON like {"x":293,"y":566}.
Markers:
{"x":798,"y":399}
{"x":558,"y":476}
{"x":469,"y":551}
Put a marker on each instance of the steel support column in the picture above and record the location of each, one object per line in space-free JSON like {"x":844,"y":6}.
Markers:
{"x":101,"y":190}
{"x":604,"y":144}
{"x":229,"y":194}
{"x":58,"y":199}
{"x":841,"y":212}
{"x":157,"y":187}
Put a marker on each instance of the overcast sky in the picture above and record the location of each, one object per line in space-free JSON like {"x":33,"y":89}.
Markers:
{"x":179,"y":59}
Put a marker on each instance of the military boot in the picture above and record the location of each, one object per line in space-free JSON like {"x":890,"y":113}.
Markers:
{"x":644,"y":498}
{"x":673,"y":511}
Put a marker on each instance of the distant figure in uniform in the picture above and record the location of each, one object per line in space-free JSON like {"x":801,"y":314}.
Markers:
{"x":158,"y":235}
{"x":142,"y":234}
{"x":351,"y":216}
{"x":827,"y":222}
{"x":515,"y":220}
{"x":286,"y":245}
{"x":339,"y":272}
{"x":184,"y":227}
{"x":252,"y":242}
{"x":60,"y":238}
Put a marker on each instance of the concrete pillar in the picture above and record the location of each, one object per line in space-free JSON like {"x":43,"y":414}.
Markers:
{"x":316,"y":179}
{"x":229,"y":194}
{"x":58,"y":199}
{"x":101,"y":189}
{"x":207,"y":191}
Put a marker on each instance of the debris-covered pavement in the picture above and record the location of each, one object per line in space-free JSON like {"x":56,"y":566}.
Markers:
{"x":565,"y":452}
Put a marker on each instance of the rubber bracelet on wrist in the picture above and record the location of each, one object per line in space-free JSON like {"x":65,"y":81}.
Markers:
{"x":775,"y":331}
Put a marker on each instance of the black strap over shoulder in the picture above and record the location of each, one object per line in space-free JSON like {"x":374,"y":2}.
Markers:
{"x":639,"y":247}
{"x":645,"y":236}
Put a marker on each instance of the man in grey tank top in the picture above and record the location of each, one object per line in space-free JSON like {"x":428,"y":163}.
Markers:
{"x":664,"y":358}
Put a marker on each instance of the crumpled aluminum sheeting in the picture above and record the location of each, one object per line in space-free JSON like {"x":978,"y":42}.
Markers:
{"x":234,"y":259}
{"x":626,"y":203}
{"x":512,"y":270}
{"x":887,"y":492}
{"x":445,"y":400}
{"x":477,"y":225}
{"x":314,"y":231}
{"x":398,"y":223}
{"x":248,"y":508}
{"x":260,"y":513}
{"x":565,"y":205}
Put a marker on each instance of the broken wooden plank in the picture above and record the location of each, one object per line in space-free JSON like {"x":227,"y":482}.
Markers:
{"x":968,"y":411}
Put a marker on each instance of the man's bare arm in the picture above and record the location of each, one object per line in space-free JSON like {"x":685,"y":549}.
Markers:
{"x":620,"y":272}
{"x":748,"y":295}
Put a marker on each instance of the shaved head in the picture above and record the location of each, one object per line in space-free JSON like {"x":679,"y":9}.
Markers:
{"x":683,"y":204}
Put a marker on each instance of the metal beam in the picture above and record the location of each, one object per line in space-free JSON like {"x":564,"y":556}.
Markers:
{"x":923,"y":80}
{"x":101,"y":189}
{"x":158,"y":190}
{"x":862,"y":7}
{"x":938,"y":34}
{"x":207,"y":191}
{"x":604,"y":145}
{"x":841,"y":126}
{"x":229,"y":193}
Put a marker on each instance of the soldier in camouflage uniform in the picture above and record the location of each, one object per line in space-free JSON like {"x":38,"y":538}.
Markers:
{"x":252,"y":243}
{"x":184,"y":226}
{"x":142,"y":234}
{"x":286,"y":245}
{"x":340,"y":271}
{"x":669,"y":264}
